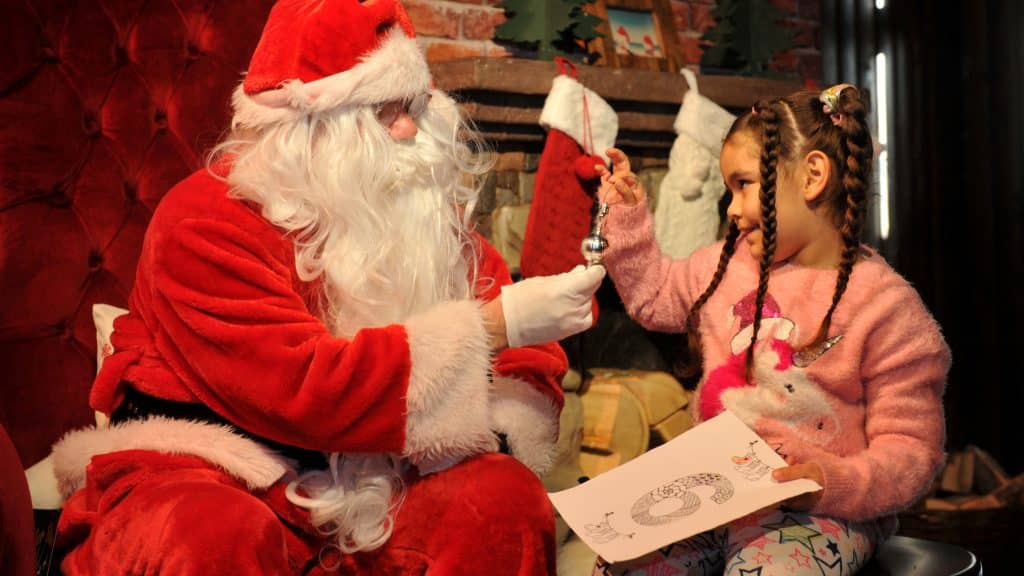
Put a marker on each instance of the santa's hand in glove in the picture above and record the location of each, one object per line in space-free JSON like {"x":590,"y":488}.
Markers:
{"x":543,"y":309}
{"x":621,"y":185}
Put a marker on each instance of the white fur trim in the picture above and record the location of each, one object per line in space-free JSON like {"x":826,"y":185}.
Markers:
{"x":394,"y":71}
{"x":563,"y":111}
{"x":701,"y":118}
{"x":530,"y":421}
{"x":448,"y":387}
{"x":249,"y":461}
{"x":790,"y":397}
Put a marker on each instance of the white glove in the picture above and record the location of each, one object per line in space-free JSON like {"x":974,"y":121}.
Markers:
{"x":548,"y":308}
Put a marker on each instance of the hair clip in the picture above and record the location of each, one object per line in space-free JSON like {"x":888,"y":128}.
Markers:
{"x":829,"y":97}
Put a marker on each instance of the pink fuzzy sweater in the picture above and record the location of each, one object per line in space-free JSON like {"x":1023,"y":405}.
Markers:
{"x":868,"y":410}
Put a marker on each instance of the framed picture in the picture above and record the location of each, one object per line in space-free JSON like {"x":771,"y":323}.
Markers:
{"x":635,"y":34}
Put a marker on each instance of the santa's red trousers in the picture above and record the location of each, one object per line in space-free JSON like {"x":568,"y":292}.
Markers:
{"x":143,"y":512}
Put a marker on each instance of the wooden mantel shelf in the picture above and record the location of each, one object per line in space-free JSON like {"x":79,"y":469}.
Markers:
{"x":504,"y":96}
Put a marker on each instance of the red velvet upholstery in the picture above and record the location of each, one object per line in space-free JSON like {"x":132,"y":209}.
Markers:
{"x":103,"y":106}
{"x":17,"y":549}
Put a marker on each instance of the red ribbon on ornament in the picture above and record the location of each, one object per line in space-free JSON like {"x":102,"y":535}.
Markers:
{"x":584,"y":165}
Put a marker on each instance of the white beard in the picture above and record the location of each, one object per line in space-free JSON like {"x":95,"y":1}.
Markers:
{"x":379,"y":219}
{"x":407,"y":254}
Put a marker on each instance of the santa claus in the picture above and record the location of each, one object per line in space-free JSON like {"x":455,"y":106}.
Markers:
{"x":323,"y":363}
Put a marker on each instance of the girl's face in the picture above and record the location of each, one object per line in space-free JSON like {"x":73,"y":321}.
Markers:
{"x":798,"y":228}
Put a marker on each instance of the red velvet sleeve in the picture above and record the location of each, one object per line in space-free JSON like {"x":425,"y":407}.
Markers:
{"x":239,"y":336}
{"x":542,"y":366}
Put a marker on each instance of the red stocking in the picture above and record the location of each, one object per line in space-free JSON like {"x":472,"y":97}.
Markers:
{"x":581,"y":126}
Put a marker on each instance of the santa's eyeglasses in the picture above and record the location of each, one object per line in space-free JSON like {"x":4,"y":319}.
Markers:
{"x":388,"y":112}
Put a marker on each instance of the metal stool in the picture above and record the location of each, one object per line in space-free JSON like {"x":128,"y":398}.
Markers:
{"x":904,"y":556}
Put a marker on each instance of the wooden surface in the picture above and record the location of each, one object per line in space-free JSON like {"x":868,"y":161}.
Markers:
{"x":519,"y":76}
{"x":504,"y":96}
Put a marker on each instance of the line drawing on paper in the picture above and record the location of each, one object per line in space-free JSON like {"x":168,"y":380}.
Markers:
{"x":602,"y":532}
{"x":648,"y":509}
{"x":750,"y":465}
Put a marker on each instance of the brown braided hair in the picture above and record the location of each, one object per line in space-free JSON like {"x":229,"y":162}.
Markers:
{"x":691,"y":365}
{"x":770,"y":149}
{"x":788,"y":129}
{"x":848,"y":204}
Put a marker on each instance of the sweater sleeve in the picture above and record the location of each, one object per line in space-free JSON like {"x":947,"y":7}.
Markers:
{"x":904,"y":367}
{"x":656,"y":290}
{"x":237,"y":333}
{"x":526,"y":395}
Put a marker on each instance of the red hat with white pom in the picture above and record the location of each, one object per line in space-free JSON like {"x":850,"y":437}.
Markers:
{"x":315,"y":55}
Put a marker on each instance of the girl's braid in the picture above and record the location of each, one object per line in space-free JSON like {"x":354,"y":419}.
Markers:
{"x":692,"y":364}
{"x":769,"y":163}
{"x":856,"y":155}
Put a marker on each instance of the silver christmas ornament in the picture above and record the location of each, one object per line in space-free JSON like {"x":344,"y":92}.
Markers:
{"x":594,"y":244}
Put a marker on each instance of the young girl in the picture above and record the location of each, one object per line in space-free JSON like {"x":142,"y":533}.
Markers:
{"x":805,"y":334}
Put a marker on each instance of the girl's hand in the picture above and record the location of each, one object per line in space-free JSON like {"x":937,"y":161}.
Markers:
{"x":809,"y":470}
{"x":621,"y":185}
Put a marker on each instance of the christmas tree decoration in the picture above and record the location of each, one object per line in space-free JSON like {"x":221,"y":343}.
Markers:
{"x":551,"y":27}
{"x":686,"y":216}
{"x":594,"y":245}
{"x":746,"y":38}
{"x":581,"y":126}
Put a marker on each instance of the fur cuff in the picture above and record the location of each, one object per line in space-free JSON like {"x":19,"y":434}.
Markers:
{"x":448,"y":387}
{"x":529,"y":419}
{"x":249,"y":461}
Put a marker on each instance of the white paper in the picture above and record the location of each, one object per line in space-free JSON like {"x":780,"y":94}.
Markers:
{"x":711,"y":474}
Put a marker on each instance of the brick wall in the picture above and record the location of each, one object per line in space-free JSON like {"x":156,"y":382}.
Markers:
{"x":454,"y":29}
{"x":451,"y":29}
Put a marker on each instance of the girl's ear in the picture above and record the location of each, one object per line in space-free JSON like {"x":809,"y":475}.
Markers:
{"x":817,"y":173}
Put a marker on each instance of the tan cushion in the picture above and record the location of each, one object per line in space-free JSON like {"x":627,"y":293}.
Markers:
{"x":615,"y":426}
{"x":624,"y":411}
{"x":665,"y":402}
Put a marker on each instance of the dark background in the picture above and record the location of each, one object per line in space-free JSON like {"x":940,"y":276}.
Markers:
{"x":957,"y":154}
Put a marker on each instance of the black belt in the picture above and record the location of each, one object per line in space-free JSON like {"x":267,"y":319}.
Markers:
{"x":137,"y":406}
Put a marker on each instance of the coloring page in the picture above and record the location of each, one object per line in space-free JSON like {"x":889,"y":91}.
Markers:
{"x":711,"y":474}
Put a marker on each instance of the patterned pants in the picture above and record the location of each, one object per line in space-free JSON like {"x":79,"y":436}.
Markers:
{"x":770,"y":542}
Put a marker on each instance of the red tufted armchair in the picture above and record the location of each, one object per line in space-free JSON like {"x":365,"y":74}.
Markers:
{"x":104,"y":105}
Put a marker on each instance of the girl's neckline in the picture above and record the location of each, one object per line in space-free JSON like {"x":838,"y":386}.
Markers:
{"x":787,"y":267}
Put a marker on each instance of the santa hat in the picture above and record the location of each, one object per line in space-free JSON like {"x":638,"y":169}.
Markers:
{"x":315,"y":55}
{"x":773,"y":323}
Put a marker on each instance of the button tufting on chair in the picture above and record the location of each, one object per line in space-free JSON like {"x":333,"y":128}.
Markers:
{"x":103,"y":107}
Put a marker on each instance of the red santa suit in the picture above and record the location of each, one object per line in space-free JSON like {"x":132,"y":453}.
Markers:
{"x":220,"y":319}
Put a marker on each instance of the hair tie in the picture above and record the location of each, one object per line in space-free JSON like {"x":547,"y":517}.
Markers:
{"x":829,"y":97}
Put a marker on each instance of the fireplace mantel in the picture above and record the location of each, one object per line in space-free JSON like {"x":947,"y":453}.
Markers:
{"x":504,"y":96}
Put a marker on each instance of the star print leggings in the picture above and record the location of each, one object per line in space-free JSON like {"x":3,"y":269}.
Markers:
{"x":770,"y":542}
